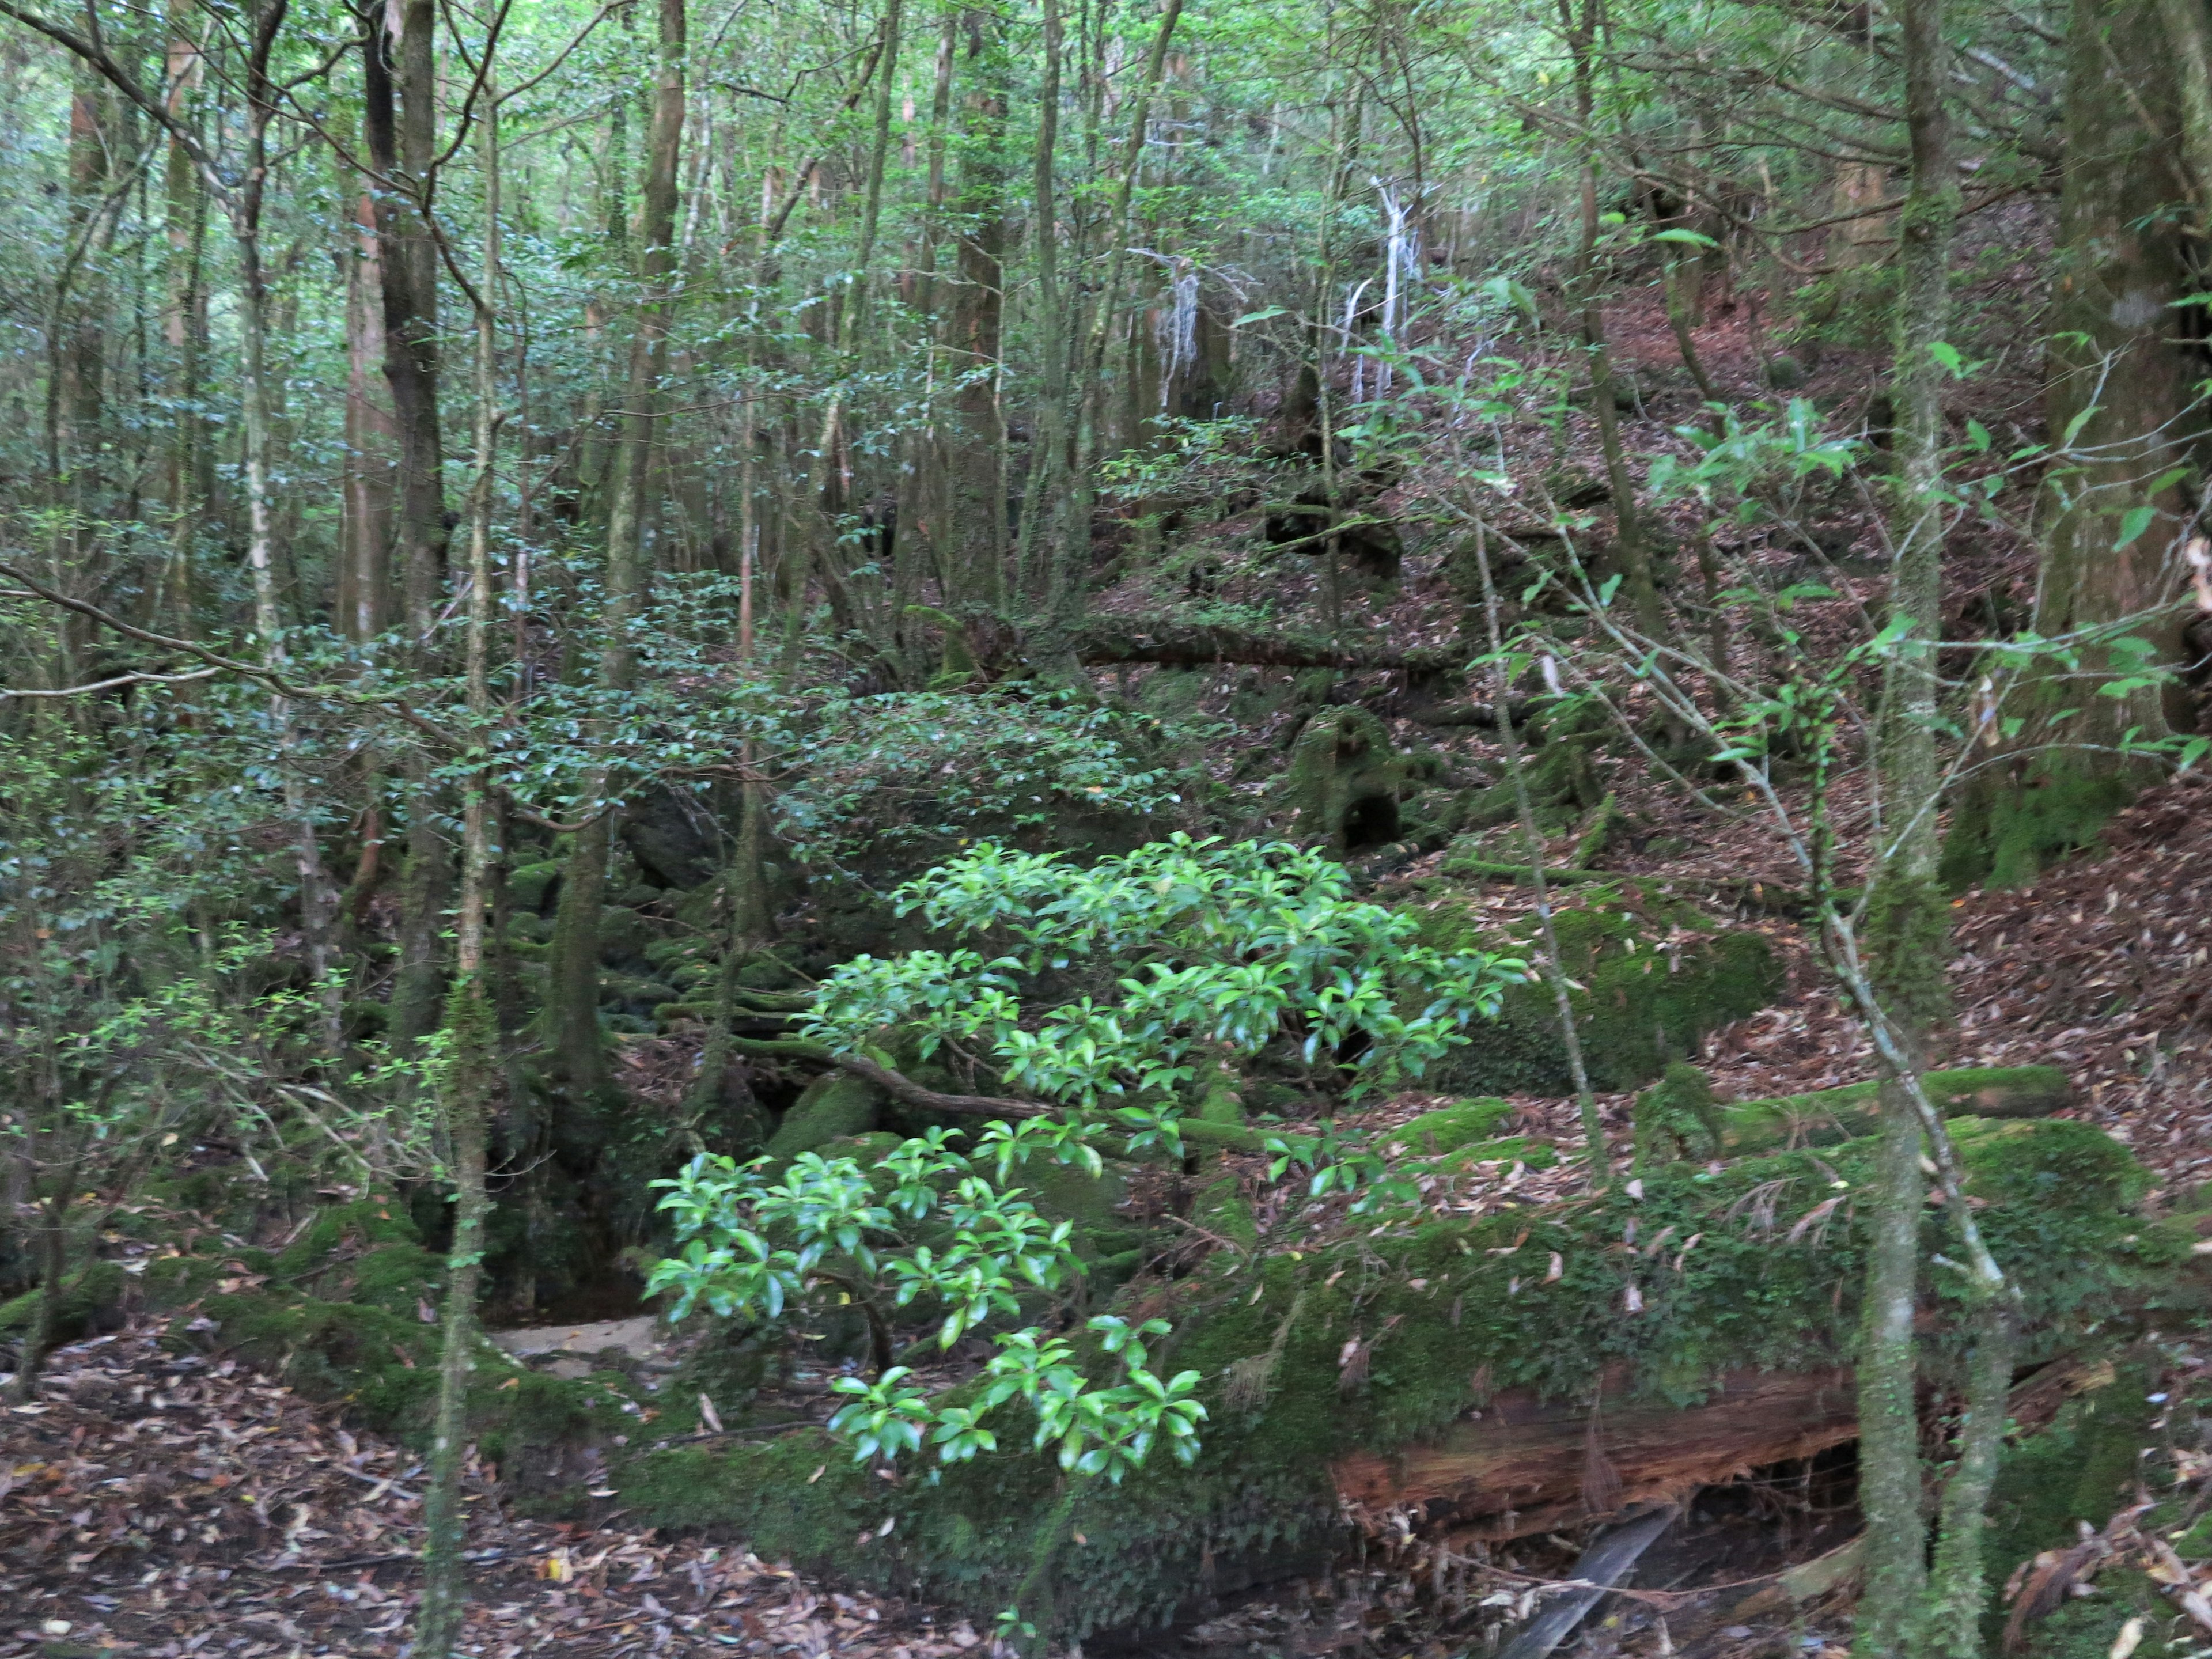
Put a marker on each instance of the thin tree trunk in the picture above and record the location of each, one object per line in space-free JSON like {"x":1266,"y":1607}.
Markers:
{"x":1555,"y":968}
{"x":572,"y":1001}
{"x":1908,"y":911}
{"x":1093,"y":424}
{"x":469,"y":1089}
{"x":183,"y":306}
{"x":1632,"y":554}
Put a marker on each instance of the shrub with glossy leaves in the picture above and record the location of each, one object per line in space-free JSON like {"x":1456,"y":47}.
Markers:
{"x":1185,"y":948}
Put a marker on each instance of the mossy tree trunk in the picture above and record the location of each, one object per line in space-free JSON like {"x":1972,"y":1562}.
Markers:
{"x":2121,"y":381}
{"x":53,"y":1268}
{"x":1907,"y":918}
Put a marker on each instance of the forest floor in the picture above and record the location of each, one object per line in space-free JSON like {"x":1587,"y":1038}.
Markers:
{"x":158,"y":1500}
{"x":161,"y":1502}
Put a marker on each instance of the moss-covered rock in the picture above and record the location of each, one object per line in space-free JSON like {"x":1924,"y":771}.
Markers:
{"x":1441,"y":1311}
{"x":1449,"y":1128}
{"x":1676,"y":1117}
{"x":91,"y":1297}
{"x":833,"y":1106}
{"x":1656,"y":978}
{"x":1344,"y":781}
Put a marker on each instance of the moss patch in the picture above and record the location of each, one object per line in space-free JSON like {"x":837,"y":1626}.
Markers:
{"x":1450,"y":1127}
{"x":95,"y":1293}
{"x":834,"y":1105}
{"x":1655,"y":983}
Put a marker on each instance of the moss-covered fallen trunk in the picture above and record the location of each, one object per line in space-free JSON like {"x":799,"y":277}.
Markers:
{"x":1320,"y":1361}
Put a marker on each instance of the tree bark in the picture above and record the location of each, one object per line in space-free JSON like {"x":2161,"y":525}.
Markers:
{"x":364,"y":573}
{"x":974,"y":337}
{"x":469,"y":1089}
{"x":2120,"y":387}
{"x":399,"y":126}
{"x":572,"y":1002}
{"x":1908,"y":914}
{"x":184,"y":327}
{"x":2117,"y":358}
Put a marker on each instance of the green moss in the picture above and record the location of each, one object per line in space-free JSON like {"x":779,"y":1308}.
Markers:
{"x":1507,"y":1149}
{"x":1066,"y":1194}
{"x":1834,"y":1114}
{"x":527,"y":884}
{"x":834,"y":1105}
{"x":1449,"y":1128}
{"x":364,"y":1223}
{"x":1434,"y":1302}
{"x":1676,"y":1117}
{"x":96,"y":1289}
{"x":2083,"y":1467}
{"x":2004,"y":835}
{"x":1642,"y":1007}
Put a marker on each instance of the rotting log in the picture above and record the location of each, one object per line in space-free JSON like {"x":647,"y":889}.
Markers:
{"x":1523,"y":1465}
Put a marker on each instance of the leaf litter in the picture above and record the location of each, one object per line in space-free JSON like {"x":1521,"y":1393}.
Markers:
{"x":168,"y":1504}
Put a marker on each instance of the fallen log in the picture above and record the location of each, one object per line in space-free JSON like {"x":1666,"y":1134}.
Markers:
{"x":1838,"y":1115}
{"x":1523,"y":1465}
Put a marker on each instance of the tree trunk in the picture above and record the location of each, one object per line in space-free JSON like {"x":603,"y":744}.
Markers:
{"x":364,"y":573}
{"x":2120,"y":379}
{"x":572,"y":1000}
{"x":399,"y":124}
{"x":1907,"y":915}
{"x":973,"y":345}
{"x":469,"y":1089}
{"x":1041,"y":499}
{"x":2114,"y":350}
{"x":46,"y":1312}
{"x":184,"y":327}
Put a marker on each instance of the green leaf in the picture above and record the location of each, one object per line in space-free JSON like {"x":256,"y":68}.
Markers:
{"x":2138,"y":520}
{"x":1259,"y":316}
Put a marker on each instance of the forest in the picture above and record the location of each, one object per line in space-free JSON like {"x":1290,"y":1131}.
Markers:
{"x":1106,"y":827}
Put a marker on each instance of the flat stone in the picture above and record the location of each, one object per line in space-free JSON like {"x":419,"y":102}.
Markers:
{"x":638,"y":1338}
